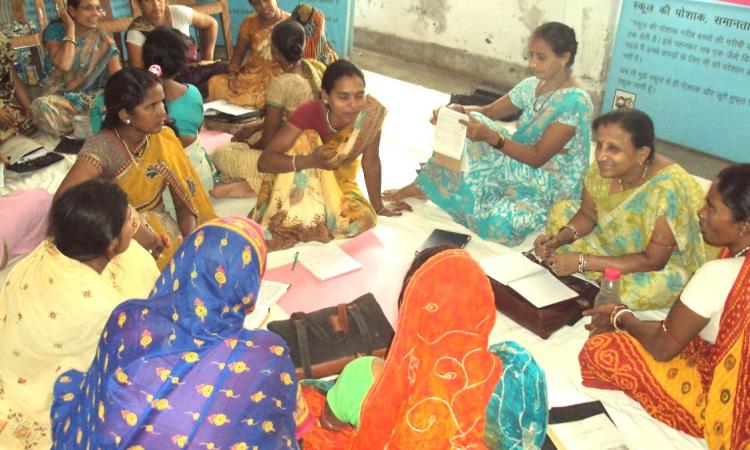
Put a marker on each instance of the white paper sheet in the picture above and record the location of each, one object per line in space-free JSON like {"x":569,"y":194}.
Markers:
{"x":542,"y":289}
{"x":328,"y":261}
{"x":594,"y":432}
{"x":450,"y":134}
{"x":509,"y":267}
{"x":226,"y":108}
{"x":270,"y":293}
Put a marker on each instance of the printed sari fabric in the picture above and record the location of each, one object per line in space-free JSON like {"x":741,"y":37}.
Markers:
{"x":53,"y":309}
{"x":625,"y":222}
{"x":704,"y":392}
{"x":505,"y":200}
{"x":316,"y":44}
{"x":316,"y":204}
{"x":255,"y":74}
{"x":179,"y":369}
{"x":237,"y":160}
{"x":162,"y":165}
{"x":21,"y":120}
{"x":69,"y":93}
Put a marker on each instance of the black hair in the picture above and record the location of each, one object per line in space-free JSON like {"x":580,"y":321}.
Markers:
{"x":635,"y":122}
{"x":337,"y":70}
{"x":125,"y":89}
{"x":418,"y":261}
{"x":560,"y":37}
{"x":86,"y":218}
{"x":68,"y":4}
{"x":733,"y":184}
{"x":289,"y":39}
{"x":166,"y":48}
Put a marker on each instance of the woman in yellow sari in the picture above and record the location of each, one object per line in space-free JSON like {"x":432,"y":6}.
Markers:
{"x":313,"y":194}
{"x":135,"y":151}
{"x":692,"y":370}
{"x":56,"y":300}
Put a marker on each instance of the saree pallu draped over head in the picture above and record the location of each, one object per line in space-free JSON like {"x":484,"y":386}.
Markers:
{"x":704,"y":392}
{"x":439,"y":374}
{"x":163,"y":165}
{"x":316,"y":204}
{"x":180,"y":370}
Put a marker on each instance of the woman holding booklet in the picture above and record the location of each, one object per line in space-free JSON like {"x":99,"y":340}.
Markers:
{"x":510,"y":181}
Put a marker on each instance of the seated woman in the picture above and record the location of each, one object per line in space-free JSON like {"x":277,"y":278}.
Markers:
{"x":247,"y":79}
{"x":179,"y":18}
{"x":165,"y":54}
{"x":638,"y":213}
{"x":511,"y":181}
{"x":135,"y":151}
{"x":23,"y":222}
{"x":690,"y":371}
{"x":57,"y":299}
{"x":313,"y":195}
{"x":299,"y":82}
{"x":316,"y":42}
{"x":438,"y":385}
{"x":14,"y":101}
{"x":180,"y":369}
{"x":80,"y":57}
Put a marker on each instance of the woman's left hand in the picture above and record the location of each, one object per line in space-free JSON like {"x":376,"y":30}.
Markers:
{"x":477,"y":131}
{"x":563,"y":264}
{"x":600,"y":319}
{"x":394,"y":209}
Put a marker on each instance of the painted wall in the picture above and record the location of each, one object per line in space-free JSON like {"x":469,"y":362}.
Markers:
{"x":498,"y":29}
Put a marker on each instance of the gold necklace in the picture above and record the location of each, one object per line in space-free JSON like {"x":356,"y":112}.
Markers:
{"x":643,"y":177}
{"x":127,"y":147}
{"x":328,"y":120}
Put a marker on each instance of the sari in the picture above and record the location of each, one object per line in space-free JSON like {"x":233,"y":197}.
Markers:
{"x":179,"y":368}
{"x":316,"y":204}
{"x":238,"y":160}
{"x":255,"y":74}
{"x":67,"y":94}
{"x":625,"y":221}
{"x":23,"y":221}
{"x":704,"y":392}
{"x":21,"y":120}
{"x":316,"y":43}
{"x":163,"y":165}
{"x":505,"y":200}
{"x":441,"y":387}
{"x":53,"y":309}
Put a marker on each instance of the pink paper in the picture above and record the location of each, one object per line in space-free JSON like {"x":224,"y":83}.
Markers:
{"x":381,"y":274}
{"x":213,"y":138}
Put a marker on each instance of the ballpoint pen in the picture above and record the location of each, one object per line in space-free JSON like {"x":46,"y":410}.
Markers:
{"x":294,"y":263}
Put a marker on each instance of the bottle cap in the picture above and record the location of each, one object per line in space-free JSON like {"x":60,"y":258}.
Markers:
{"x":612,"y":274}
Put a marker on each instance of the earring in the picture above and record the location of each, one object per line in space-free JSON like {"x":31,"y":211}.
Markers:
{"x":127,"y":121}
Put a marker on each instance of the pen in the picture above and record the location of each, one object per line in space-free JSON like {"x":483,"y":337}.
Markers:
{"x":294,"y":263}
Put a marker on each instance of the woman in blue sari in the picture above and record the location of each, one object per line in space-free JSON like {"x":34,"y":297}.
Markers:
{"x":508,"y":182}
{"x":179,"y":368}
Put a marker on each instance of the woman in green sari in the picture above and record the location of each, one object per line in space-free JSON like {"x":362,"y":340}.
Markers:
{"x":638,"y":213}
{"x":80,"y":58}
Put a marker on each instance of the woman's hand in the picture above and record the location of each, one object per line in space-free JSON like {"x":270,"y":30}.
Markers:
{"x":563,"y":264}
{"x":544,"y":246}
{"x":393,"y":209}
{"x":477,"y":131}
{"x":246,"y":132}
{"x":322,"y":162}
{"x":68,"y":22}
{"x":4,"y":159}
{"x":149,"y":240}
{"x":600,"y":319}
{"x":453,"y":106}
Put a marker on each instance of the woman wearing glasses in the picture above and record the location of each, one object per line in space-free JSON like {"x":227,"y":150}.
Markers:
{"x":80,"y":58}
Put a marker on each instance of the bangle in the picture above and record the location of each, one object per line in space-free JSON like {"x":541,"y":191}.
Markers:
{"x":500,"y":141}
{"x":71,"y":40}
{"x":583,"y":262}
{"x":294,"y":163}
{"x":573,"y":229}
{"x":613,"y":314}
{"x":617,"y":316}
{"x":669,"y":335}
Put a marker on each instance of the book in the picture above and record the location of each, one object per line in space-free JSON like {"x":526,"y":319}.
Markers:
{"x":531,"y":280}
{"x":449,"y":139}
{"x":269,"y":294}
{"x":20,"y":149}
{"x":445,"y":237}
{"x":220,"y":109}
{"x":596,"y":431}
{"x":328,"y":261}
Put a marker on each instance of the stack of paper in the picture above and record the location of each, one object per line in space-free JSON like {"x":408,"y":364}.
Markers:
{"x":449,"y":139}
{"x":533,"y":281}
{"x":223,"y":106}
{"x":328,"y":261}
{"x":270,"y":293}
{"x":593,"y":432}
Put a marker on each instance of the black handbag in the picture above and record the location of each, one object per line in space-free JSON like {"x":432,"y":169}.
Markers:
{"x":322,"y":342}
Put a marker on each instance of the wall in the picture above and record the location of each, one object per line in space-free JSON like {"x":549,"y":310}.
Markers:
{"x":486,"y":38}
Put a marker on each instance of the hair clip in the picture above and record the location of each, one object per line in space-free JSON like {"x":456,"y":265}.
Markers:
{"x":155,"y":69}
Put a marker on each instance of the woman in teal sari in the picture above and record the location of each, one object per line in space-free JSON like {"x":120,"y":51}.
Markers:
{"x":508,"y":181}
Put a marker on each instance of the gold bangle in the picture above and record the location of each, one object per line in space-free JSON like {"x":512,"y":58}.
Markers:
{"x":71,"y":40}
{"x":500,"y":141}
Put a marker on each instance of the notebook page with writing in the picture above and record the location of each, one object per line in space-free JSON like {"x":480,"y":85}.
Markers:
{"x":593,"y":432}
{"x":270,"y":292}
{"x":450,"y":134}
{"x":328,"y":261}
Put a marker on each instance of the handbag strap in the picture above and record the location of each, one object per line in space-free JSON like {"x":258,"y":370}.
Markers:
{"x":363,"y":328}
{"x":304,"y":344}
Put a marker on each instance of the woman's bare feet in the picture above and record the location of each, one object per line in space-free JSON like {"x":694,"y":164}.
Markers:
{"x":408,"y":191}
{"x":232,"y":189}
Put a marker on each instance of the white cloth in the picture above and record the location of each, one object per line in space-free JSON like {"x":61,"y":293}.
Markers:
{"x":707,"y":291}
{"x":182,"y":18}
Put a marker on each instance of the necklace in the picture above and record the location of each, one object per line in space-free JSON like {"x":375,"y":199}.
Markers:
{"x":643,"y":177}
{"x":548,"y":96}
{"x":328,"y":120}
{"x":127,"y":147}
{"x":742,"y":252}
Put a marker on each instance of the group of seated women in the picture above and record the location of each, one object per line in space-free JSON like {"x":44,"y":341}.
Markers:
{"x":178,"y":367}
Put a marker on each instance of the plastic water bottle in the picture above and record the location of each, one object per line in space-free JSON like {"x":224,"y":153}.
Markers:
{"x":609,"y":291}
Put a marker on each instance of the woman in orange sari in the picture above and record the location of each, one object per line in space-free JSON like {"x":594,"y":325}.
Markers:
{"x":692,"y":370}
{"x":135,"y":151}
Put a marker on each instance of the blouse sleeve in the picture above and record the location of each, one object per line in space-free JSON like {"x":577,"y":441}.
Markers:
{"x":709,"y":287}
{"x":97,"y":151}
{"x":275,"y":93}
{"x":303,"y":116}
{"x":55,"y":31}
{"x":182,"y":18}
{"x":135,"y":37}
{"x":522,"y":94}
